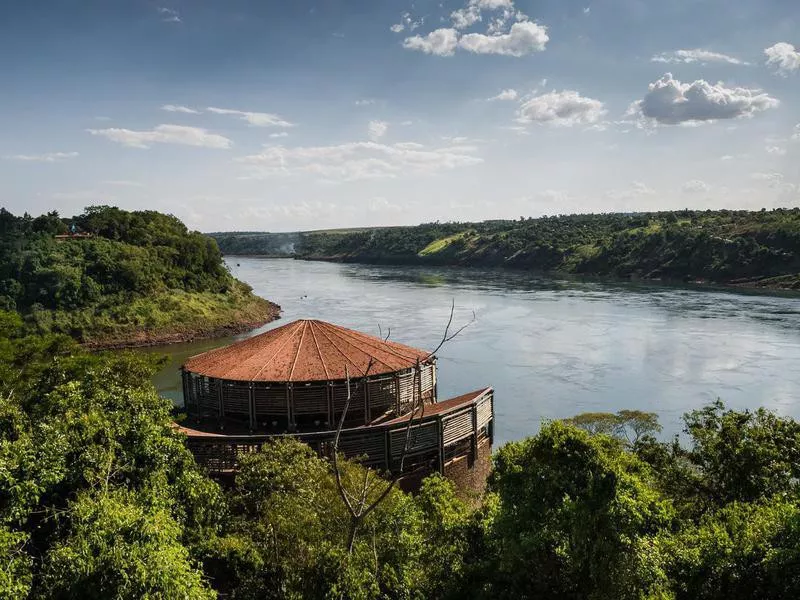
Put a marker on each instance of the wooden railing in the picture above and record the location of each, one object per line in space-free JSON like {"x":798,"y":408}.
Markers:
{"x":434,"y":439}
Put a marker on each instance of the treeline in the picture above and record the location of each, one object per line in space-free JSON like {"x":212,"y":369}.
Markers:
{"x":123,"y":272}
{"x":99,"y":498}
{"x":755,"y":248}
{"x":244,"y":243}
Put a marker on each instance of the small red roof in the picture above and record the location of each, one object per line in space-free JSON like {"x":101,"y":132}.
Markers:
{"x":302,"y":351}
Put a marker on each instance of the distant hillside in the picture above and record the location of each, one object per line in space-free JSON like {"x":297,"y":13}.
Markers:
{"x":739,"y":247}
{"x":264,"y":243}
{"x":129,"y":278}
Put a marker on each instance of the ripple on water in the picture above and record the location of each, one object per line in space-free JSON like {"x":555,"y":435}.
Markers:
{"x":553,"y":347}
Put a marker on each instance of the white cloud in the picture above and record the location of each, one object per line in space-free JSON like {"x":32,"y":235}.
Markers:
{"x":358,"y":160}
{"x":169,"y":15}
{"x":48,"y":157}
{"x":381,"y":204}
{"x":465,"y":17}
{"x":636,"y":190}
{"x":783,"y":57}
{"x":566,"y":108}
{"x":696,"y":56}
{"x":441,"y":42}
{"x":509,"y":94}
{"x":180,"y":109}
{"x":377,"y":129}
{"x":796,"y":135}
{"x":695,"y":186}
{"x":365,"y":101}
{"x":280,"y":134}
{"x":776,"y":181}
{"x":772,"y":177}
{"x":406,"y":22}
{"x":776,"y":150}
{"x":164,"y":134}
{"x":670,"y":102}
{"x":257,"y":119}
{"x":523,"y":38}
{"x":493,"y":4}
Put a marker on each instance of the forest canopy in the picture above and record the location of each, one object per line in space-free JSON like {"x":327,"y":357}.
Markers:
{"x":99,"y":498}
{"x":123,"y":273}
{"x":725,"y":246}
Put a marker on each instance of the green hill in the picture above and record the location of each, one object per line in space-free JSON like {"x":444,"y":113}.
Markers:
{"x":733,"y":247}
{"x":129,"y":278}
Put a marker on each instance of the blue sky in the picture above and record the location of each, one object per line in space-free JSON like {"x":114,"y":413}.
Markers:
{"x":247,"y":115}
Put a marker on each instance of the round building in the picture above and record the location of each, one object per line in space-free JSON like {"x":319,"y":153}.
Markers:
{"x":293,"y":380}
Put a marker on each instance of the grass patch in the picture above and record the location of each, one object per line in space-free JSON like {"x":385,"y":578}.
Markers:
{"x":440,"y":244}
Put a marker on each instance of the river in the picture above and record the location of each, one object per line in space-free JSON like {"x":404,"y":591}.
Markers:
{"x":551,"y":348}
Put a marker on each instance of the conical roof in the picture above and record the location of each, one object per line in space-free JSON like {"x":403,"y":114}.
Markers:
{"x":302,"y":351}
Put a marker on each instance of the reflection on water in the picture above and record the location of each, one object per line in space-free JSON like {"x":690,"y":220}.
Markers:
{"x":551,"y":347}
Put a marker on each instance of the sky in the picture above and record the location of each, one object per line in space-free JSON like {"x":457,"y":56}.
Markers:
{"x":254,"y":115}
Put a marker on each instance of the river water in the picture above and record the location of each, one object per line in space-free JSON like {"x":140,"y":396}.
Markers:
{"x":551,"y":348}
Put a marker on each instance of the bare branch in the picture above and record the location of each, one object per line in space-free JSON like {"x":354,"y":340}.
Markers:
{"x":337,"y":472}
{"x":447,"y":336}
{"x":359,"y":510}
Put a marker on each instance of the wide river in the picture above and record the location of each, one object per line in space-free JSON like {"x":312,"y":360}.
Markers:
{"x":551,"y":348}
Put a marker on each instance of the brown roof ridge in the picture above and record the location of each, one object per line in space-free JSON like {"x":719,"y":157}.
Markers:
{"x":304,"y":328}
{"x":278,"y":351}
{"x":319,"y":352}
{"x":344,"y":354}
{"x":305,"y":350}
{"x":367,"y":340}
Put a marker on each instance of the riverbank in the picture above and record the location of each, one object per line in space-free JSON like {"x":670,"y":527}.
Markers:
{"x":165,"y":318}
{"x":146,"y":337}
{"x":783,"y":283}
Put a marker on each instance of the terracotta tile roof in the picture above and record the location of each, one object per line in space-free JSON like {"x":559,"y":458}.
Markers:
{"x":302,"y":351}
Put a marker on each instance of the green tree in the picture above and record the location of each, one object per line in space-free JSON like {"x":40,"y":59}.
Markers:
{"x":289,"y":533}
{"x":577,"y":518}
{"x":743,"y":551}
{"x":115,"y":546}
{"x":744,"y":455}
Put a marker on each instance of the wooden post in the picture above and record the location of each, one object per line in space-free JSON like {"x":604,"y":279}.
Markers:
{"x":435,"y":382}
{"x":419,"y":385}
{"x":397,"y":394}
{"x":221,"y":401}
{"x":474,"y":412}
{"x":366,"y":401}
{"x":387,"y":449}
{"x":440,"y":425}
{"x":289,"y":402}
{"x":331,"y":404}
{"x":251,"y":402}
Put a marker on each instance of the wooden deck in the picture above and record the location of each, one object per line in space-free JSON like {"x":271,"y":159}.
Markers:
{"x":440,"y":433}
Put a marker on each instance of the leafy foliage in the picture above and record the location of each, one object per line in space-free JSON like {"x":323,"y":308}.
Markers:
{"x":135,"y":271}
{"x":579,"y":508}
{"x":629,"y":425}
{"x":99,"y":498}
{"x":97,"y":491}
{"x":757,"y":248}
